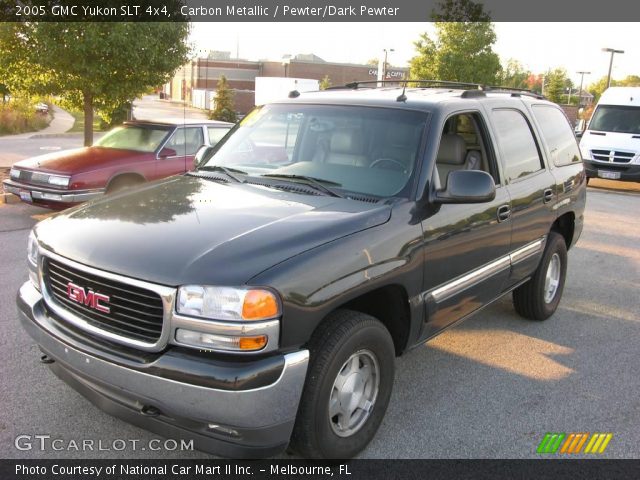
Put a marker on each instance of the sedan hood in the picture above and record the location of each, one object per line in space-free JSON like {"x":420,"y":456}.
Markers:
{"x":79,"y":160}
{"x":192,"y":230}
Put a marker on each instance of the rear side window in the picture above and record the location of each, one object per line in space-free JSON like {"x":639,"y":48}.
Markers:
{"x":518,"y":146}
{"x":562,"y":143}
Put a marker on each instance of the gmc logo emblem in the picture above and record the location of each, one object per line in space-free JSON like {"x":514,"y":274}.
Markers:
{"x":89,"y":298}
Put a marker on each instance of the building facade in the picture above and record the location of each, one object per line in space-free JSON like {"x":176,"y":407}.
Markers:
{"x":196,"y":82}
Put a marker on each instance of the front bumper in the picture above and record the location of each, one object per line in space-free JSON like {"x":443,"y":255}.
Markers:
{"x":243,"y":423}
{"x":628,"y":171}
{"x":44,"y":195}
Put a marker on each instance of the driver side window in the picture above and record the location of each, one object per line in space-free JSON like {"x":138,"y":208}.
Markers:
{"x":463,"y":146}
{"x":186,"y":141}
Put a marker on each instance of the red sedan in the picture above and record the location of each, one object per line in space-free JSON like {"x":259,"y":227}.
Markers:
{"x":131,"y":154}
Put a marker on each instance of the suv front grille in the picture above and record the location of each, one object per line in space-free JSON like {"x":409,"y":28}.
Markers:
{"x":134,"y":312}
{"x":606,"y":156}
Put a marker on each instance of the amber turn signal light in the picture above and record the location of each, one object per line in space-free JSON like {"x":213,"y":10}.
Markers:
{"x":260,"y":305}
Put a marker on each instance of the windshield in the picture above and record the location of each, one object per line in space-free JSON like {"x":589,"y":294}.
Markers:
{"x":366,"y":150}
{"x":131,"y":137}
{"x":616,"y":118}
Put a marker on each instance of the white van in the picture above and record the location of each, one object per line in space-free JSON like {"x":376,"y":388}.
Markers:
{"x":610,"y":145}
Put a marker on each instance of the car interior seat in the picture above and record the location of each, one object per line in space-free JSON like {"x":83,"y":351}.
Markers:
{"x":346,"y":147}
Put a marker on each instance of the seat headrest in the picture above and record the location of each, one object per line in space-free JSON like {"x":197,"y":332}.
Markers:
{"x":452,"y":149}
{"x":349,"y":141}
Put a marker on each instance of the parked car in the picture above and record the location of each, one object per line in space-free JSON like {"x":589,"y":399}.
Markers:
{"x":610,"y":142}
{"x":259,"y":302}
{"x":42,"y":108}
{"x":128,"y":155}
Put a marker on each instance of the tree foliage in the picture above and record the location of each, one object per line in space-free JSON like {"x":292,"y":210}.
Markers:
{"x":224,"y":109}
{"x":462,"y":47}
{"x":325,"y":82}
{"x":514,"y":75}
{"x":555,"y":82}
{"x":598,"y":88}
{"x":92,"y":66}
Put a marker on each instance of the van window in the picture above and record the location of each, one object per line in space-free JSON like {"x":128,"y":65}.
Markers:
{"x":616,"y":118}
{"x":519,"y":148}
{"x":557,"y":132}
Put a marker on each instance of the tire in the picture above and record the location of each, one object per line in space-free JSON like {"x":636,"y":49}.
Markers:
{"x":534,"y":300}
{"x":119,"y":184}
{"x":343,"y":349}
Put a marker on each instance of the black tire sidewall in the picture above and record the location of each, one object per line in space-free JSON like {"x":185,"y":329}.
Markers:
{"x":372,"y":337}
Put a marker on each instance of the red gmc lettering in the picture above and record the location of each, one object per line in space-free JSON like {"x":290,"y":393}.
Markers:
{"x":91,"y":299}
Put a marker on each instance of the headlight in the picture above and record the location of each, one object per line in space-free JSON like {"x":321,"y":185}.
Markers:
{"x":32,"y":255}
{"x":32,"y":249}
{"x":58,"y":180}
{"x":14,"y":173}
{"x":225,"y":303}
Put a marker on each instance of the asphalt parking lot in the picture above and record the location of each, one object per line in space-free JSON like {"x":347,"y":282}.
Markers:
{"x":489,"y":388}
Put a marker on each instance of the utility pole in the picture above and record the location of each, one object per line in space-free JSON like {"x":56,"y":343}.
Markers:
{"x":582,"y":74}
{"x":613,"y":51}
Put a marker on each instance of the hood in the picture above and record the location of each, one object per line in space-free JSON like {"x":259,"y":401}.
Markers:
{"x":79,"y":160}
{"x":192,"y":230}
{"x":610,"y":141}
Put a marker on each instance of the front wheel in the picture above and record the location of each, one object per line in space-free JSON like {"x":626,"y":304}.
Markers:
{"x":538,"y":299}
{"x":348,"y":386}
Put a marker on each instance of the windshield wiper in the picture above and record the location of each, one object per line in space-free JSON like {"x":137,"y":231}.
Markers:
{"x":229,"y":172}
{"x":313,"y":182}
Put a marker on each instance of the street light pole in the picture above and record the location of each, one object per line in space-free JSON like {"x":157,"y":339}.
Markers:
{"x":613,"y":52}
{"x":384,"y":65}
{"x":582,"y":74}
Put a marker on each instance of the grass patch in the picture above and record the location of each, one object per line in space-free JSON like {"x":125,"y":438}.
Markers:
{"x":78,"y":126}
{"x":20,"y":116}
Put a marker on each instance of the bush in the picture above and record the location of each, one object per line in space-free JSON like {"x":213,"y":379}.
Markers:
{"x":19,"y":116}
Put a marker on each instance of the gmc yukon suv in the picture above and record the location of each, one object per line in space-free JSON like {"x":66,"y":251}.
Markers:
{"x":259,"y":301}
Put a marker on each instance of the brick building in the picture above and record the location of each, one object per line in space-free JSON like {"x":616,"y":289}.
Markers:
{"x":196,"y":82}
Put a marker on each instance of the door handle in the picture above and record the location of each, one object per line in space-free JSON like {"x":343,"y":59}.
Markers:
{"x":547,"y":195}
{"x":504,"y":212}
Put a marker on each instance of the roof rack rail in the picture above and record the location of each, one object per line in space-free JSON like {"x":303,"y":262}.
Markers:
{"x":434,"y":83}
{"x":521,"y":91}
{"x":470,"y":88}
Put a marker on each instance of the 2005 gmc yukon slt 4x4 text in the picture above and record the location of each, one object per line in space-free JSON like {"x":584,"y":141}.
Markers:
{"x":259,"y":301}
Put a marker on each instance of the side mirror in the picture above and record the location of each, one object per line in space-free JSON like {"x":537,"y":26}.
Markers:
{"x":203,"y":153}
{"x":167,"y":152}
{"x":467,"y":186}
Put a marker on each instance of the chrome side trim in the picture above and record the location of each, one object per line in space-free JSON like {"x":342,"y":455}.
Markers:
{"x":167,"y":294}
{"x":474,"y":277}
{"x":270,"y":328}
{"x":527,"y":251}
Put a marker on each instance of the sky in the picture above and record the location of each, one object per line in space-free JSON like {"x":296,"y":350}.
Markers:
{"x":538,"y":46}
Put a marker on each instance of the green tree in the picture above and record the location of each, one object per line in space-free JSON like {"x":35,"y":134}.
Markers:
{"x":630,"y":81}
{"x":514,"y":75}
{"x":462,"y":48}
{"x":555,"y":83}
{"x":91,"y":66}
{"x":325,"y":83}
{"x":597,"y":88}
{"x":224,"y":109}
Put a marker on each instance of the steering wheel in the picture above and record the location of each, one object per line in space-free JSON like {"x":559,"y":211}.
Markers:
{"x":383,"y":160}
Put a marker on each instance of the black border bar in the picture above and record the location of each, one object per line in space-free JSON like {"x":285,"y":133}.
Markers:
{"x":309,"y":10}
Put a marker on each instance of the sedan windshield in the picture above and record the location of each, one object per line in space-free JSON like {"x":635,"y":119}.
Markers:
{"x":616,"y":118}
{"x":365,"y":150}
{"x":133,"y":137}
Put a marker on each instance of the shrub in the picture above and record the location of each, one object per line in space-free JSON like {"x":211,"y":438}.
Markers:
{"x":19,"y":116}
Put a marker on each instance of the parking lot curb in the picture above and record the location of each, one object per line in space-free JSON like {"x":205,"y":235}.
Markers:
{"x":9,"y":198}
